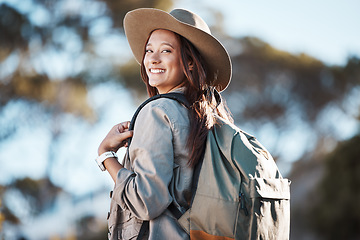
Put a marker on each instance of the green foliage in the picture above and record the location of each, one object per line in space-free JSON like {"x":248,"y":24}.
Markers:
{"x":40,"y":194}
{"x":27,"y":81}
{"x":336,"y":213}
{"x":90,"y":229}
{"x":5,"y":213}
{"x":62,"y":96}
{"x":272,"y":83}
{"x":12,"y":23}
{"x":132,"y":79}
{"x":118,"y":9}
{"x":268,"y":85}
{"x":67,"y":32}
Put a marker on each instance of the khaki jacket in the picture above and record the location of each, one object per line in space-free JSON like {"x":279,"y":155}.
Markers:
{"x":155,"y":175}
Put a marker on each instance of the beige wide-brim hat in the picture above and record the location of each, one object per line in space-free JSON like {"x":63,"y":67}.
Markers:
{"x":139,"y":23}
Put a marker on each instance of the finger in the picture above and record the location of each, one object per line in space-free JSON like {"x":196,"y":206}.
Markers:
{"x":128,"y":134}
{"x":123,"y":136}
{"x":125,"y":143}
{"x":123,"y":126}
{"x":120,"y":127}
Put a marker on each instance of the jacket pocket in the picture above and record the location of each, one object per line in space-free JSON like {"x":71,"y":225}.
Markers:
{"x":112,"y":220}
{"x":122,"y":224}
{"x":129,"y":230}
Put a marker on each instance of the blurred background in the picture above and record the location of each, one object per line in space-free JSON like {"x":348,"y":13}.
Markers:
{"x":67,"y":76}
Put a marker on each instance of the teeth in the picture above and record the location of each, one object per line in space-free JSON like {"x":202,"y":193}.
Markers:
{"x":157,"y":70}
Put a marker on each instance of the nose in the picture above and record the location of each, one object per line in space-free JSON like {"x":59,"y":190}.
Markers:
{"x":154,"y":58}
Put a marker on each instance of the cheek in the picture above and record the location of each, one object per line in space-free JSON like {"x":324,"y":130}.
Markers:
{"x":176,"y":65}
{"x":180,"y":70}
{"x":144,"y":63}
{"x":145,"y":67}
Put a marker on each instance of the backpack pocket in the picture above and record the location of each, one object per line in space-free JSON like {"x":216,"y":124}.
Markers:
{"x":264,"y":209}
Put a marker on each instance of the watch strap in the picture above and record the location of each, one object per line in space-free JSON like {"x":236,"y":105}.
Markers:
{"x":100,"y":159}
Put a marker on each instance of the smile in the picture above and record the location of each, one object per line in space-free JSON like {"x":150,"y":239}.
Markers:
{"x":157,"y":70}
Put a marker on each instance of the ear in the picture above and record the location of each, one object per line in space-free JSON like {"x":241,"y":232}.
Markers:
{"x":191,"y":65}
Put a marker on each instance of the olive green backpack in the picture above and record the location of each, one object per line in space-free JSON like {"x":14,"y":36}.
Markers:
{"x":239,"y":192}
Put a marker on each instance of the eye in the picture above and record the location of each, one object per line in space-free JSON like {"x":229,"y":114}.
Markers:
{"x":166,"y":51}
{"x":148,"y":51}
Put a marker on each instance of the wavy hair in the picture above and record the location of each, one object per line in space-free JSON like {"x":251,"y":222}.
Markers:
{"x":205,"y":103}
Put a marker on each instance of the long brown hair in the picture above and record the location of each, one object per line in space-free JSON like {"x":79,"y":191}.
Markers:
{"x":200,"y":94}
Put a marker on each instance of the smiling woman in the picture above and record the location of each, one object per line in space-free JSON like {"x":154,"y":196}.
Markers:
{"x":178,"y":55}
{"x":162,"y":61}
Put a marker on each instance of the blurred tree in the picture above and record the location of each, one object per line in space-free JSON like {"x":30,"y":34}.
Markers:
{"x":66,"y":29}
{"x":5,"y":213}
{"x":50,"y":55}
{"x":23,"y":40}
{"x":336,"y":212}
{"x":130,"y":74}
{"x":90,"y":229}
{"x":273,"y":87}
{"x":11,"y":23}
{"x":40,"y":194}
{"x":273,"y":82}
{"x":118,"y":9}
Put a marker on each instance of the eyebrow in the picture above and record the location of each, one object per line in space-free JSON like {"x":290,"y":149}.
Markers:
{"x":163,"y":43}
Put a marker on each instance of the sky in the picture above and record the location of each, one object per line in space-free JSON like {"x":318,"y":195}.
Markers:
{"x":325,"y":29}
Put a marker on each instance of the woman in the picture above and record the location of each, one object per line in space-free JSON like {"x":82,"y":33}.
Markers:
{"x":177,"y":53}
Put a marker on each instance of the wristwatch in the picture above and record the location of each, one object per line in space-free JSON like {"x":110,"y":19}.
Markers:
{"x":100,"y":159}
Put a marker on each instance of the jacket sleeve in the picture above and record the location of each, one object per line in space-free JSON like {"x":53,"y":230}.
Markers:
{"x":145,"y":190}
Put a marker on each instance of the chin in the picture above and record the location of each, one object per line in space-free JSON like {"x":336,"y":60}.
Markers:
{"x":153,"y":83}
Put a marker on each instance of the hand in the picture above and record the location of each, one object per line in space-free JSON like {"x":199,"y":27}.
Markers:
{"x":116,"y":138}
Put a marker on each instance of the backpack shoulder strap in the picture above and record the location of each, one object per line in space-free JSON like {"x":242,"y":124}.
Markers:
{"x":179,"y":97}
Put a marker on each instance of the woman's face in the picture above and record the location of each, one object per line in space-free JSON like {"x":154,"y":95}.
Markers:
{"x":162,"y":61}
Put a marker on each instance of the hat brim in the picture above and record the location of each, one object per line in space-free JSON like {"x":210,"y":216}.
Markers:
{"x":139,"y":23}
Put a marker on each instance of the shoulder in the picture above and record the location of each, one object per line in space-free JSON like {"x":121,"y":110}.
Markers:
{"x":164,"y":109}
{"x":165,"y":103}
{"x":167,"y":107}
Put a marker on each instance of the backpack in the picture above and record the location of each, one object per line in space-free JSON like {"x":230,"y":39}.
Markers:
{"x":239,"y":192}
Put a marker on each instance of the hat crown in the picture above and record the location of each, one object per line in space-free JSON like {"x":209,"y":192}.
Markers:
{"x":140,"y":23}
{"x":190,"y":18}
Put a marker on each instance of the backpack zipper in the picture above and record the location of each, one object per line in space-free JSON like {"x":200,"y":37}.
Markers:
{"x":242,"y":204}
